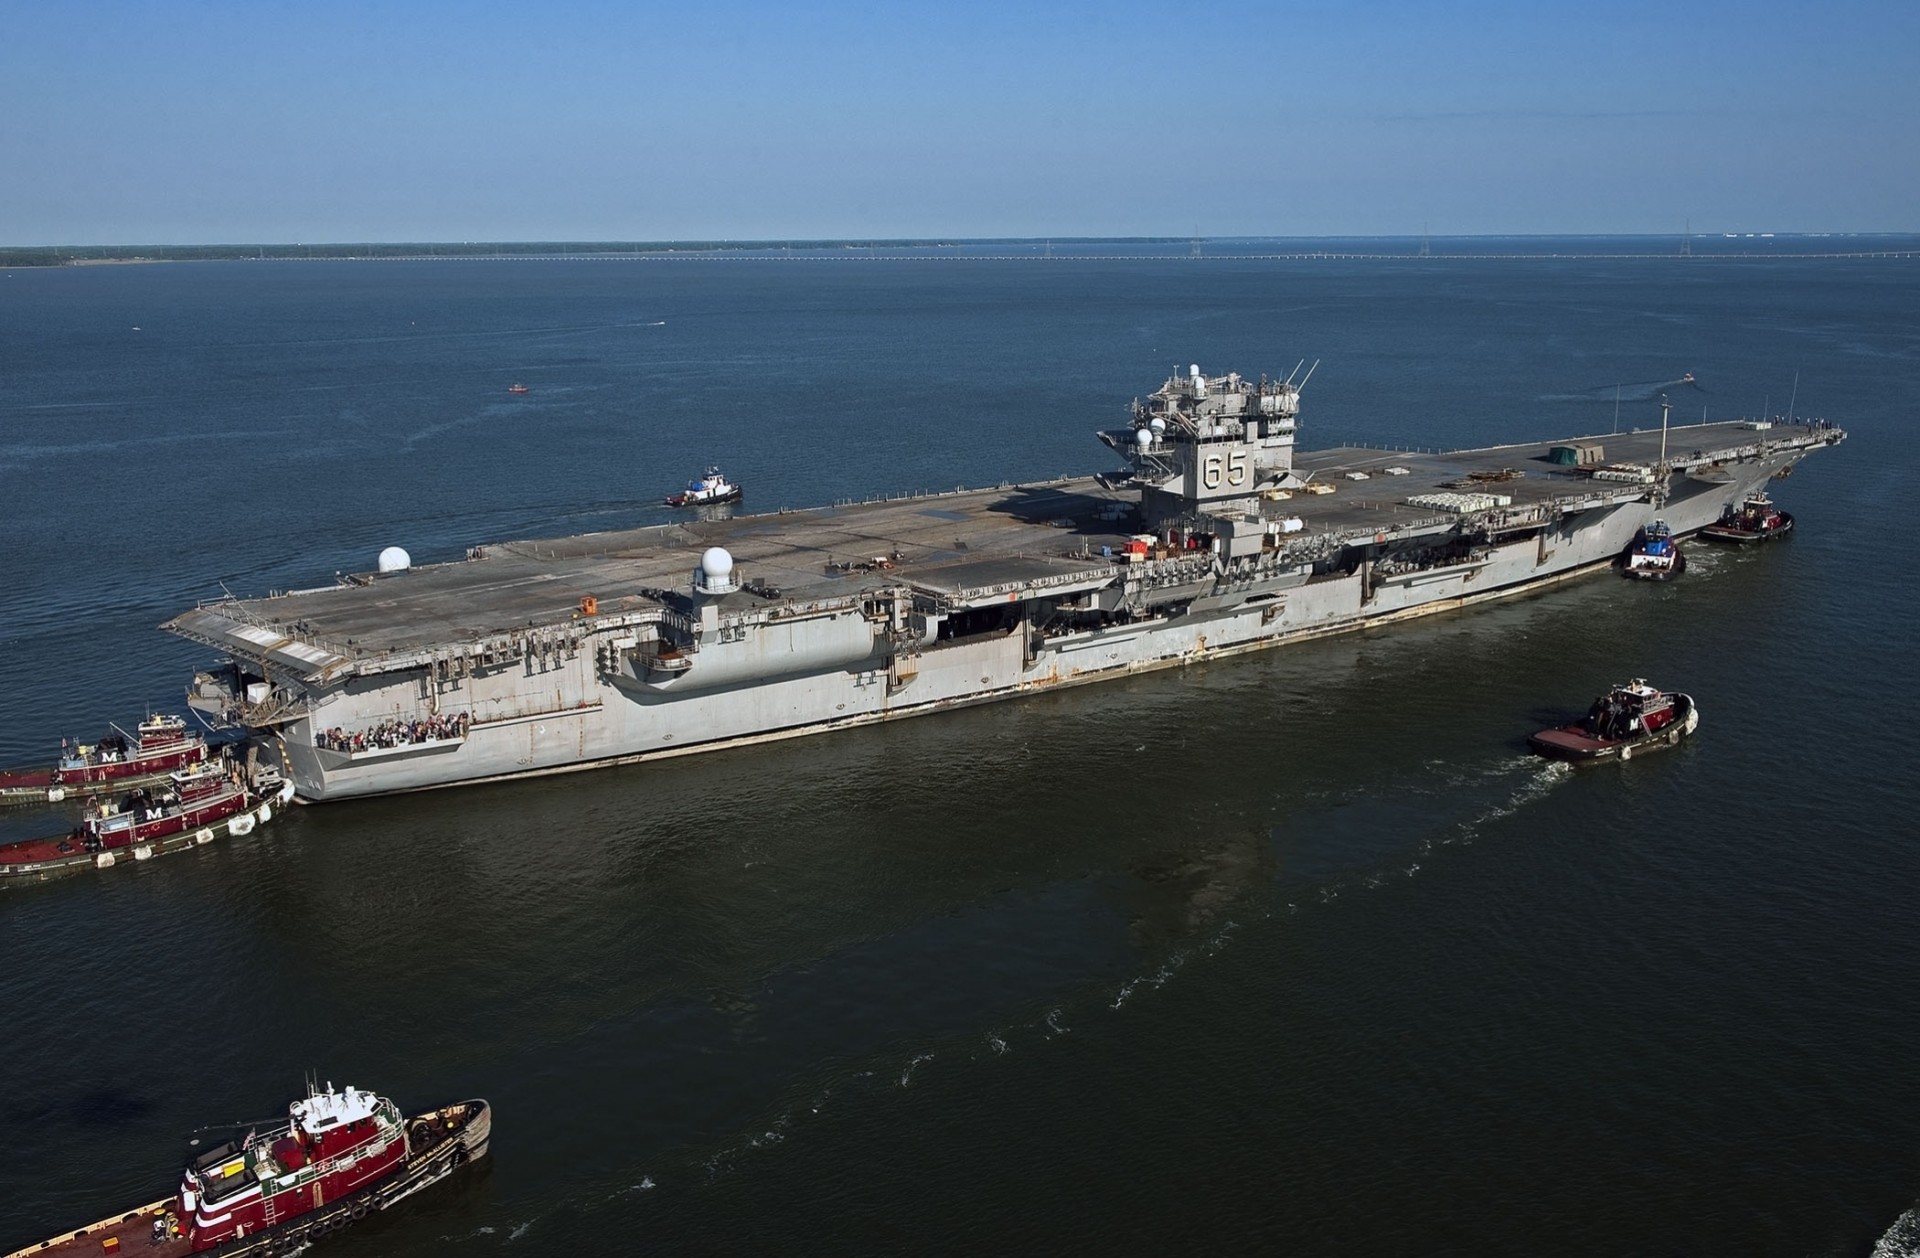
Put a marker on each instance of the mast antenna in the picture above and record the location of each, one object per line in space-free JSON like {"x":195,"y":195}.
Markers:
{"x":1666,"y":407}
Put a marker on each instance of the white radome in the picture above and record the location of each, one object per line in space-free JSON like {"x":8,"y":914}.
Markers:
{"x":716,"y":563}
{"x":395,"y":559}
{"x":1142,"y":437}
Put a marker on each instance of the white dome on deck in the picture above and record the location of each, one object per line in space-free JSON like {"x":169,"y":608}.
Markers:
{"x":394,"y":559}
{"x":715,"y":573}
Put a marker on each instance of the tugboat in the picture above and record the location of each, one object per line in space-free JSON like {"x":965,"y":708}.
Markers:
{"x":705,"y":490}
{"x":197,"y":805}
{"x":1625,"y":721}
{"x":337,"y":1157}
{"x":518,"y":388}
{"x":1654,"y":555}
{"x":159,"y":745}
{"x":1755,"y":520}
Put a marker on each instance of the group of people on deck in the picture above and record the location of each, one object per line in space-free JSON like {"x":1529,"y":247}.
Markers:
{"x":395,"y":733}
{"x":1615,"y":716}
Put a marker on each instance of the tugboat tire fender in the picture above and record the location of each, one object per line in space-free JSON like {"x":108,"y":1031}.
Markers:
{"x":1673,"y":737}
{"x":360,"y":1209}
{"x":1626,"y":753}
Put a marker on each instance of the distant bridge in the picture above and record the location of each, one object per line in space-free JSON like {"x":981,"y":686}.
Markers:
{"x":855,"y":255}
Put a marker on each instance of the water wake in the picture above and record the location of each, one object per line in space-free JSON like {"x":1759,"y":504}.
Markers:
{"x":1171,"y":966}
{"x":1544,"y":775}
{"x":1641,"y":391}
{"x":1902,"y":1240}
{"x":1526,"y":779}
{"x":1502,"y":786}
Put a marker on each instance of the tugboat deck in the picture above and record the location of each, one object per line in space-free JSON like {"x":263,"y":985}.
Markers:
{"x":963,"y":543}
{"x":127,"y":1234}
{"x":1571,"y":743}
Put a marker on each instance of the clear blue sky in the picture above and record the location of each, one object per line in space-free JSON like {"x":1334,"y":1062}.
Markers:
{"x":185,"y":122}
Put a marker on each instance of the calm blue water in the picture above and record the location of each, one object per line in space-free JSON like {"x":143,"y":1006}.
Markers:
{"x":1297,"y":952}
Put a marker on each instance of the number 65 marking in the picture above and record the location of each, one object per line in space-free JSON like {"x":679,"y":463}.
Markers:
{"x":1230,"y":469}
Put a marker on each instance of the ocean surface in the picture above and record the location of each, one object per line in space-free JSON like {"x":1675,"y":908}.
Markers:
{"x":1295,"y":953}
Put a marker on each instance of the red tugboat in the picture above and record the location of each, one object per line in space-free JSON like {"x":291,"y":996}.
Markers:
{"x":335,"y":1158}
{"x":1755,"y":520}
{"x":197,"y":805}
{"x":1622,"y":723}
{"x":160,"y":745}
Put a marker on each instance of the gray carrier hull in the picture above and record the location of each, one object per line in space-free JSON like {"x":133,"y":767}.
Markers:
{"x":553,"y":656}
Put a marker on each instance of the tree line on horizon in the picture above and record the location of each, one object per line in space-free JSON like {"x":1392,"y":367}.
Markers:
{"x":63,"y":255}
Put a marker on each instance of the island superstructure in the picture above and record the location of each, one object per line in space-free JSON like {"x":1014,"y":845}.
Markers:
{"x":1218,"y":536}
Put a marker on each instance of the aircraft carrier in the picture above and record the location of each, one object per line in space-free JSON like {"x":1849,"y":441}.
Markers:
{"x":1216,"y":537}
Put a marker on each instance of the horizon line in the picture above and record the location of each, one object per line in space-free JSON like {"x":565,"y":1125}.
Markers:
{"x":865,"y":241}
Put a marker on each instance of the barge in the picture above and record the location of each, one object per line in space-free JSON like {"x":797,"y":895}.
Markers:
{"x":1217,"y":536}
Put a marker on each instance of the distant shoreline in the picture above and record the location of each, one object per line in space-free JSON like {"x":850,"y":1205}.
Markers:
{"x":1747,"y":245}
